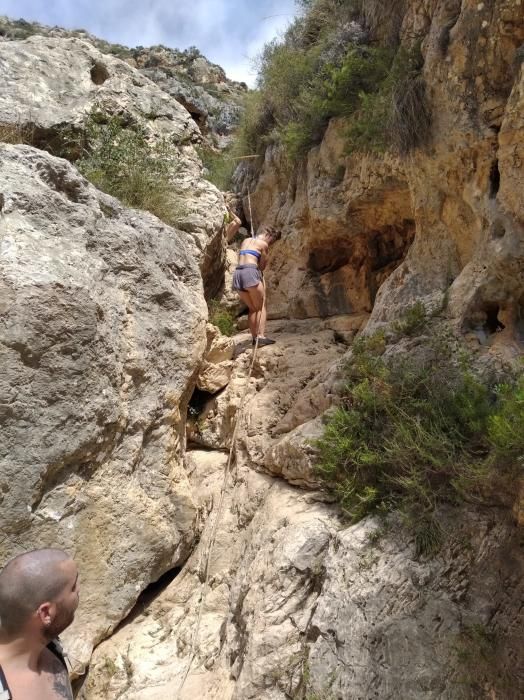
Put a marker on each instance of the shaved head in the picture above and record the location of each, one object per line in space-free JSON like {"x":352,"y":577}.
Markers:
{"x":28,"y":581}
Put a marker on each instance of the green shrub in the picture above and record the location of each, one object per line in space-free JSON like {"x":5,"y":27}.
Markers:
{"x":256,"y":124}
{"x":412,"y":320}
{"x":321,"y":70}
{"x":15,"y":133}
{"x":336,"y":91}
{"x":506,"y":425}
{"x":284,"y":70}
{"x":366,"y":130}
{"x":411,"y":434}
{"x":219,"y":166}
{"x":396,"y":114}
{"x":222,"y":318}
{"x":120,"y":159}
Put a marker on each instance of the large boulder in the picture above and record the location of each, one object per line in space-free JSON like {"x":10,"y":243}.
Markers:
{"x":75,"y":78}
{"x":301,"y":605}
{"x":102,"y":324}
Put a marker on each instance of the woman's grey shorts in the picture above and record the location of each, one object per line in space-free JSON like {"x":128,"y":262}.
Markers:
{"x":246,"y":276}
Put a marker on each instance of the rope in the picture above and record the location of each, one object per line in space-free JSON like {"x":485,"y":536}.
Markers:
{"x":251,"y":218}
{"x":223,"y":490}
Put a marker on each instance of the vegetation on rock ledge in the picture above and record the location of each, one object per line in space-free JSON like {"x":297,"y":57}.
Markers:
{"x":122,"y":161}
{"x":413,"y":432}
{"x":222,"y":318}
{"x":328,"y":66}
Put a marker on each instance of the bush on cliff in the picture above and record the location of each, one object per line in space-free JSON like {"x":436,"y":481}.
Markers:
{"x":218,"y":166}
{"x":411,"y":434}
{"x":121,"y":160}
{"x":326,"y":67}
{"x":396,"y":114}
{"x":222,"y":318}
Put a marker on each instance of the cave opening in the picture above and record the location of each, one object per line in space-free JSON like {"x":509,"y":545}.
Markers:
{"x":519,"y":321}
{"x":331,"y":258}
{"x":484,"y":320}
{"x":197,"y":403}
{"x":99,"y":73}
{"x":347,"y":274}
{"x":494,"y":179}
{"x":196,"y":114}
{"x":144,"y":600}
{"x":493,"y":323}
{"x":498,"y":230}
{"x":152,"y":592}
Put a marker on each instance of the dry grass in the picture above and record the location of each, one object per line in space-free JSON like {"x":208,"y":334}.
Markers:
{"x":15,"y":134}
{"x":410,"y":114}
{"x":384,"y":19}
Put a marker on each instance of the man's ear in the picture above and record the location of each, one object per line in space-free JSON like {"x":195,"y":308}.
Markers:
{"x":46,"y":613}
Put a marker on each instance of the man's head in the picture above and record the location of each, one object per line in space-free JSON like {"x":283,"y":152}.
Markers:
{"x":38,"y":594}
{"x":270,"y":234}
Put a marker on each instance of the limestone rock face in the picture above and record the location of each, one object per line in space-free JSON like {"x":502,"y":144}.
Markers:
{"x":214,"y":102}
{"x":445,"y":225}
{"x":368,"y":577}
{"x":104,"y":339}
{"x":217,"y":366}
{"x":73,"y":79}
{"x":470,"y":235}
{"x":294,"y":456}
{"x":347,"y":224}
{"x":290,"y":385}
{"x":301,"y":605}
{"x":102,"y":323}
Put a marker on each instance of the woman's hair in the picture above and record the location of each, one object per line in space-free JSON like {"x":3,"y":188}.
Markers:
{"x":271,"y":232}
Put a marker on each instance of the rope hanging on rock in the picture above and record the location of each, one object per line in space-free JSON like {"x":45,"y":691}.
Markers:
{"x":250,"y":214}
{"x":223,"y":490}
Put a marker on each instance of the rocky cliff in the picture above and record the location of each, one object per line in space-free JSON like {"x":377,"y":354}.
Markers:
{"x":111,"y":453}
{"x":214,"y":102}
{"x":446,"y":220}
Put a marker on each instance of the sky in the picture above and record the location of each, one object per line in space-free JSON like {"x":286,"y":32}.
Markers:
{"x":228,"y":32}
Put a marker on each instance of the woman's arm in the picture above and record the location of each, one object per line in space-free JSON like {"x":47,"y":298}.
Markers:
{"x":233,"y":226}
{"x":262,"y":263}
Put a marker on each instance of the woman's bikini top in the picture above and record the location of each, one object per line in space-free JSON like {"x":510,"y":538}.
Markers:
{"x":256,"y":253}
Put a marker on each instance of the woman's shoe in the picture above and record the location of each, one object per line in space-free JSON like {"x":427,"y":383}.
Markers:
{"x":264,"y":341}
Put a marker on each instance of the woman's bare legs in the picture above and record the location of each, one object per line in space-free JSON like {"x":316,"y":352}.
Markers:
{"x":254,"y":299}
{"x":251,"y":312}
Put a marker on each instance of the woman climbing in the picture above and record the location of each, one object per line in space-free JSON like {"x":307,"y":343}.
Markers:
{"x":232,"y":224}
{"x":248,"y":280}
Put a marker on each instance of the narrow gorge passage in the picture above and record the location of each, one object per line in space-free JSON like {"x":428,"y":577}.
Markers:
{"x":369,"y":540}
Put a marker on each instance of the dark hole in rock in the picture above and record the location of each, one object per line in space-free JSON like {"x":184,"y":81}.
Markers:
{"x":99,"y":73}
{"x":198,"y":116}
{"x":494,"y":179}
{"x":330,"y":258}
{"x":519,"y":322}
{"x":498,"y":229}
{"x":346,"y":274}
{"x":197,"y":403}
{"x":484,"y":321}
{"x":149,"y":594}
{"x":493,"y":323}
{"x":145,"y":599}
{"x":386,"y":250}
